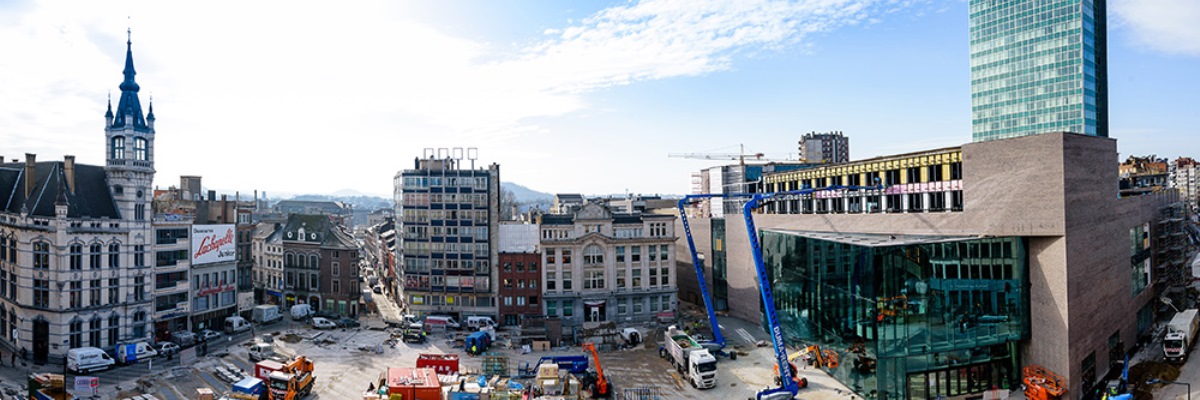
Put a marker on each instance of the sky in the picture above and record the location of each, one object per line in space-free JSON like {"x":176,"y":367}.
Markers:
{"x":298,"y":97}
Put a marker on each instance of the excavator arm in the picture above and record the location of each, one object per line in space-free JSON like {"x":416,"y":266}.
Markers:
{"x":602,"y":386}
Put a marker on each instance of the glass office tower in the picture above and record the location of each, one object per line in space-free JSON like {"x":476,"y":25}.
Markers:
{"x":912,"y":318}
{"x":1038,"y":66}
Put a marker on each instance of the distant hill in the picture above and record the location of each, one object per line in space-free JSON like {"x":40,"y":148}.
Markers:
{"x":526,"y":195}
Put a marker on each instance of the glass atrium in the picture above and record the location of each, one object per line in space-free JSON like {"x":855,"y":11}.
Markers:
{"x":911,"y":317}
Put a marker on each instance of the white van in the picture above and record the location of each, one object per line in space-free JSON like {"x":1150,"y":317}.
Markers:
{"x":441,"y":321}
{"x":82,"y":360}
{"x":236,"y":324}
{"x":261,"y":351}
{"x":132,"y":352}
{"x":476,"y":322}
{"x":302,"y":311}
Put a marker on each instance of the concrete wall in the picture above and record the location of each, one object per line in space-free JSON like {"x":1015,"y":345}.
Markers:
{"x":685,"y":271}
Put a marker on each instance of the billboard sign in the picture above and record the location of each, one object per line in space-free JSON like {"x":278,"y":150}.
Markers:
{"x":213,"y":243}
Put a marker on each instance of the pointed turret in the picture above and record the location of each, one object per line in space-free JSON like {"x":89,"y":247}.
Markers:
{"x":129,"y":109}
{"x":108,"y":116}
{"x":150,"y":114}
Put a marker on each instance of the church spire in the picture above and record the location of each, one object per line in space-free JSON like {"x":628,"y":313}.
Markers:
{"x":129,"y":107}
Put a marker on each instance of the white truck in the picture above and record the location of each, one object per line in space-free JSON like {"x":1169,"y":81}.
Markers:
{"x":696,"y":364}
{"x":1181,"y":332}
{"x":266,"y":314}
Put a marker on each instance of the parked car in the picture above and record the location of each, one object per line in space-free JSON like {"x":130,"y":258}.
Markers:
{"x":322,"y":323}
{"x":348,"y":323}
{"x":208,"y":334}
{"x":329,"y":315}
{"x":183,"y":338}
{"x":167,"y":348}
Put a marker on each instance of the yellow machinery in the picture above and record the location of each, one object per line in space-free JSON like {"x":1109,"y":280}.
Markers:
{"x":293,"y":381}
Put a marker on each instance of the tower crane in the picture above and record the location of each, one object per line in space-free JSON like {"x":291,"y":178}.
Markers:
{"x":740,"y":156}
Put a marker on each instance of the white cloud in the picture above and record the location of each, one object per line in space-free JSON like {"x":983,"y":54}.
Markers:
{"x":319,"y":81}
{"x":1170,"y":26}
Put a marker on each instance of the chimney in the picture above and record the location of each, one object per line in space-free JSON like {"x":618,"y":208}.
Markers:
{"x":69,"y":169}
{"x":30,"y":173}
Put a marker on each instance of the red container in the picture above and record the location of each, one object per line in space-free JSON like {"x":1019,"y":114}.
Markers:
{"x":264,"y":368}
{"x":441,"y":363}
{"x":414,"y":383}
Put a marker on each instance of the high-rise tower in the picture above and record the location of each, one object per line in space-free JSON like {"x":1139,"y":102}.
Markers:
{"x":1038,"y":66}
{"x":129,"y":138}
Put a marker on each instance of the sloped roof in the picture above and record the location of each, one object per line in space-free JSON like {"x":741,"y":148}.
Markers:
{"x":90,"y":199}
{"x":331,"y":235}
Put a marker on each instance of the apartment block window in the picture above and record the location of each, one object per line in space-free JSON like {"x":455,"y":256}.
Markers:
{"x":94,"y":256}
{"x":507,"y":267}
{"x":593,"y":254}
{"x":653,"y":304}
{"x":139,"y":256}
{"x":94,"y":332}
{"x":139,"y":288}
{"x":894,"y":203}
{"x":76,"y":257}
{"x":854,"y":180}
{"x":337,"y":286}
{"x":593,"y":279}
{"x":508,"y":300}
{"x":653,"y":255}
{"x":621,"y":278}
{"x":653,"y":277}
{"x":956,"y":171}
{"x":637,"y":278}
{"x":533,"y":284}
{"x":551,"y":308}
{"x":41,"y":255}
{"x":76,"y":294}
{"x":551,"y":281}
{"x":114,"y":289}
{"x":566,"y":257}
{"x":568,"y":308}
{"x":934,"y":172}
{"x":3,"y":291}
{"x":41,"y":293}
{"x":139,"y":212}
{"x":566,"y":282}
{"x":637,"y":305}
{"x":335,"y":268}
{"x":551,"y":257}
{"x":915,"y":203}
{"x":313,"y":283}
{"x":94,"y":293}
{"x":956,"y":200}
{"x":666,"y":276}
{"x":891,"y":177}
{"x":76,"y":333}
{"x":114,"y":255}
{"x":621,"y":308}
{"x":520,"y":300}
{"x":937,"y":201}
{"x":114,"y":329}
{"x":666,"y":302}
{"x":620,"y":254}
{"x":635,"y":254}
{"x":913,"y":174}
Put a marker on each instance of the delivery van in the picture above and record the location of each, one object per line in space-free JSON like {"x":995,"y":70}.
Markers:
{"x":302,"y":311}
{"x":129,"y":353}
{"x":476,"y":322}
{"x":261,"y":351}
{"x":441,"y":322}
{"x":82,"y":360}
{"x":236,"y":324}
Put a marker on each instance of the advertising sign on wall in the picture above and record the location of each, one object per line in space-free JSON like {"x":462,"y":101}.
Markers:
{"x":213,"y":243}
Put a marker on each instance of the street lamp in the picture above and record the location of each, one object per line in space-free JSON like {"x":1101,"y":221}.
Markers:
{"x":1189,"y":386}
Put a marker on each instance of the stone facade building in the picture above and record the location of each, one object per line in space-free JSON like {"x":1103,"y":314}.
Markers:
{"x":603,"y":266}
{"x":320,"y":265}
{"x":75,"y":239}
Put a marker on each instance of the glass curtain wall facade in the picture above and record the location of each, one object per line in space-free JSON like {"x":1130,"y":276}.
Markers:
{"x":1038,"y":66}
{"x":720,"y":272}
{"x":910,"y":321}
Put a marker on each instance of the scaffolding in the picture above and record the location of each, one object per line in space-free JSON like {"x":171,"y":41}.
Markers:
{"x":495,"y":365}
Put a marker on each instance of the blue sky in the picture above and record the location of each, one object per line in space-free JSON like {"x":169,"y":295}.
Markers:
{"x":587,"y":97}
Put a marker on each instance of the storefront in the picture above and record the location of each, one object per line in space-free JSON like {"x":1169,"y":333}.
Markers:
{"x":914,"y":317}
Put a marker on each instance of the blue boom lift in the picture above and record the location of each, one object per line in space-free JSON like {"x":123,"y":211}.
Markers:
{"x":789,"y":385}
{"x":717,"y":344}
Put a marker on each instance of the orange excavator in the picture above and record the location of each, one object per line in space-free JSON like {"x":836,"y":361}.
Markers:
{"x":293,"y":381}
{"x":596,"y":382}
{"x":1042,"y":384}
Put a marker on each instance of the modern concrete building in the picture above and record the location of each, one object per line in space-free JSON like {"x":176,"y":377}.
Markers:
{"x":729,"y":179}
{"x":74,"y":240}
{"x":825,"y":148}
{"x":605,"y":266}
{"x":448,"y":215}
{"x":1035,"y":259}
{"x":1037,"y":67}
{"x":172,"y":273}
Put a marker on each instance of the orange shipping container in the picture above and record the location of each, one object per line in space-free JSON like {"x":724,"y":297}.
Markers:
{"x":414,"y":383}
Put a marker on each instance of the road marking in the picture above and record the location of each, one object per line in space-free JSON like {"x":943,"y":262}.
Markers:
{"x":746,"y":335}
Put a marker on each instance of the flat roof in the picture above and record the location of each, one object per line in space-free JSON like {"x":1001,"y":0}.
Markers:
{"x":875,"y":239}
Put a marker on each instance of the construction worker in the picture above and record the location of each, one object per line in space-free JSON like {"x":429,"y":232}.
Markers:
{"x":474,"y":351}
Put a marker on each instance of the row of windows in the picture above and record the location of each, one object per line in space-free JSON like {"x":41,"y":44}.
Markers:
{"x":520,"y":300}
{"x":140,"y":148}
{"x":595,"y":279}
{"x":41,"y":292}
{"x":450,"y":300}
{"x":94,"y":329}
{"x":424,"y":265}
{"x":872,"y":203}
{"x":421,"y":182}
{"x":637,"y":304}
{"x":594,"y":254}
{"x":96,"y":255}
{"x":462,"y":199}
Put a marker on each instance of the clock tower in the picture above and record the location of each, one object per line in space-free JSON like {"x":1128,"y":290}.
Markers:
{"x":129,"y":147}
